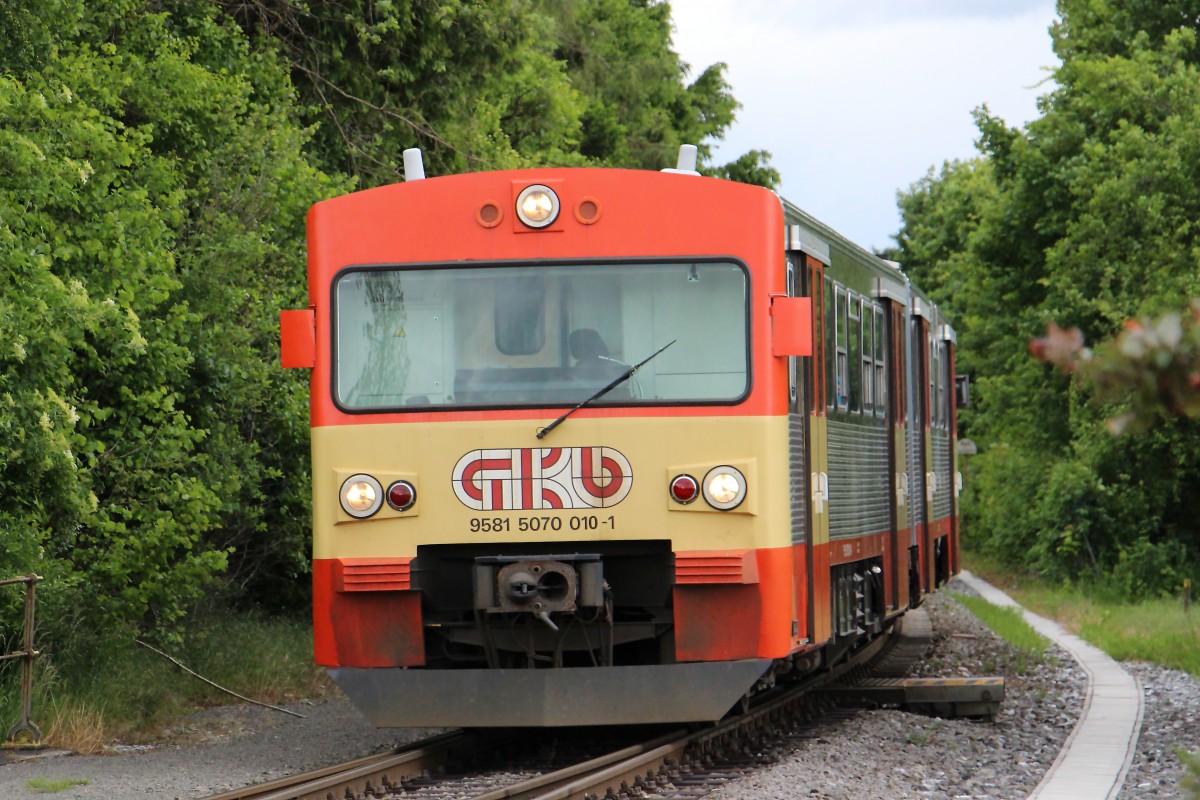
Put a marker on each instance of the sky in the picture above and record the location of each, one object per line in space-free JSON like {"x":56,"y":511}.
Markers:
{"x":858,"y":99}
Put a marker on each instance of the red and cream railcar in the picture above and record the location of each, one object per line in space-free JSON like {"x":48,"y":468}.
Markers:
{"x":608,"y":446}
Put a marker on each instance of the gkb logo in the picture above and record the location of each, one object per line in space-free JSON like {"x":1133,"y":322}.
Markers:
{"x":525,"y":479}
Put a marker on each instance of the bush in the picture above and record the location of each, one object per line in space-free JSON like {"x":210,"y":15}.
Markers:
{"x":1146,"y":570}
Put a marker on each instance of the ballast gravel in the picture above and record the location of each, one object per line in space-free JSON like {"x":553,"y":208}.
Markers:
{"x":884,"y":754}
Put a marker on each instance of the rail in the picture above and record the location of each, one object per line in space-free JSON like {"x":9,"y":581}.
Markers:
{"x":25,"y":734}
{"x":640,"y":766}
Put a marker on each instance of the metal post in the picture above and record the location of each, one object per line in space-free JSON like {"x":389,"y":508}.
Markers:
{"x":25,"y":734}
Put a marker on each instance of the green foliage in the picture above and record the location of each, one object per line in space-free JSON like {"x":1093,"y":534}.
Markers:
{"x":753,"y":167}
{"x":636,"y":110}
{"x":150,"y":228}
{"x":471,"y":83}
{"x":1150,"y":569}
{"x":1191,"y":781}
{"x":1087,"y":218}
{"x":94,"y":352}
{"x":108,"y":687}
{"x":158,"y":163}
{"x":492,"y":84}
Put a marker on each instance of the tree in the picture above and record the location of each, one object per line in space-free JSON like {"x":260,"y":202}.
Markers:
{"x":151,"y":225}
{"x":1085,"y":218}
{"x":471,"y":83}
{"x":158,"y":161}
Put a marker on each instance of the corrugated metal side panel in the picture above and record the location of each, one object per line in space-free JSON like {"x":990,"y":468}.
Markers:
{"x":858,"y":480}
{"x":799,"y":478}
{"x":916,"y":477}
{"x":945,"y":481}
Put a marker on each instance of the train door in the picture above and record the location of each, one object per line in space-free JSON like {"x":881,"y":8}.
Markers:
{"x":921,"y":565}
{"x":819,"y":288}
{"x":901,"y":538}
{"x":799,"y":388}
{"x":943,"y":478}
{"x":807,"y":259}
{"x":955,"y":472}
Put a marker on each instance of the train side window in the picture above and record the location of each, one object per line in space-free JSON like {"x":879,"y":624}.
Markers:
{"x":830,"y":314}
{"x":867,"y":363}
{"x":842,"y":368}
{"x":943,"y":409}
{"x":816,"y":288}
{"x":880,"y":365}
{"x":933,"y":381}
{"x":854,"y":329}
{"x":900,"y":359}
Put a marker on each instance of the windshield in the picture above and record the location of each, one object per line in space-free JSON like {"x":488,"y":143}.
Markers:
{"x":507,"y":336}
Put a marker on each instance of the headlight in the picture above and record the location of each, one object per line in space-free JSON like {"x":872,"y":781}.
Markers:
{"x":361,"y":496}
{"x":724,"y":488}
{"x":537,"y":206}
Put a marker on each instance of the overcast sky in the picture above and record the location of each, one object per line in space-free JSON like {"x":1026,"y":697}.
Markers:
{"x":856,"y":99}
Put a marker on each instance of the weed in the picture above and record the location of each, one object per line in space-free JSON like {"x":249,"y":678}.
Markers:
{"x":106,"y":688}
{"x":48,"y":785}
{"x":1191,"y":780}
{"x":923,"y":737}
{"x":76,"y":724}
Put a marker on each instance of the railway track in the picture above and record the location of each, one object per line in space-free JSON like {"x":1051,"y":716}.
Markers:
{"x":670,"y":763}
{"x":362,"y":776}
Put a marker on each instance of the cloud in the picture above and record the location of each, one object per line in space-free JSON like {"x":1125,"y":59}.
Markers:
{"x":859,"y":13}
{"x":856,"y":110}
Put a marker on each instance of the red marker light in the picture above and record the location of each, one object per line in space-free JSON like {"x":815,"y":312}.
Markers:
{"x":401,"y":495}
{"x":684,"y":489}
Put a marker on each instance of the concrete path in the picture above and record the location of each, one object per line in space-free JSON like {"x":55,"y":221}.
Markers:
{"x":1097,"y":754}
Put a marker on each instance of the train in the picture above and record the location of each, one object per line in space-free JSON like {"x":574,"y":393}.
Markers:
{"x":597,"y":446}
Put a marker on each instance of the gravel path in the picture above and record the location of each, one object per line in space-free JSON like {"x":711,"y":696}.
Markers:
{"x":876,"y":754}
{"x":1172,"y":721}
{"x":213,"y":751}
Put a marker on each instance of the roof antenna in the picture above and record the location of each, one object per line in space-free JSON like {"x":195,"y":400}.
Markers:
{"x":687,"y":161}
{"x":414,"y":167}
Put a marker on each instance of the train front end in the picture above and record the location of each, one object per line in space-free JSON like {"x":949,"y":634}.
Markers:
{"x":549,"y":438}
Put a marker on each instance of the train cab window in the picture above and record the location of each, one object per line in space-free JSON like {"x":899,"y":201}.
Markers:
{"x":416,"y":338}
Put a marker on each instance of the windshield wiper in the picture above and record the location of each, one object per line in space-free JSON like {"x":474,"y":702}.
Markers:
{"x":624,"y":377}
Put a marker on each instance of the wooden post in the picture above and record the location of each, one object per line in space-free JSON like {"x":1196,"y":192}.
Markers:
{"x":25,"y":734}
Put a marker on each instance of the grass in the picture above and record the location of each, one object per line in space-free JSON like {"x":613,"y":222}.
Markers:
{"x":1009,"y":625}
{"x":107,"y":690}
{"x":925,"y":735}
{"x":58,"y":785}
{"x":1159,"y":631}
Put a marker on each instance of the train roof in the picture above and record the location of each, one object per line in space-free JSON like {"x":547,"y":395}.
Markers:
{"x":846,"y":259}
